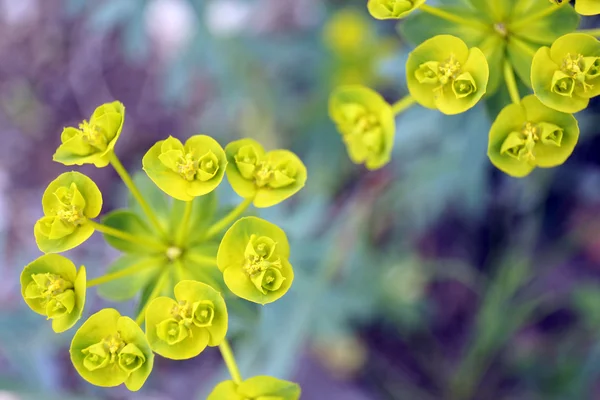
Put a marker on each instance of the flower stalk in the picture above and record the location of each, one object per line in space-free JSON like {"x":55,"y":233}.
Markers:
{"x":511,"y":83}
{"x":229,"y":359}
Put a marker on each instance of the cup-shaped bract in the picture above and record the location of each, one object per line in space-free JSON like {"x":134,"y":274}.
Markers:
{"x":92,"y":142}
{"x":253,"y":257}
{"x":566,"y":75}
{"x":258,"y":387}
{"x":267,"y":177}
{"x":587,"y":7}
{"x":110,"y":349}
{"x":392,"y":9}
{"x":186,"y":171}
{"x":52,"y":286}
{"x":182,"y":328}
{"x":529,"y":135}
{"x":366,"y":122}
{"x":68,"y":202}
{"x":443,"y":73}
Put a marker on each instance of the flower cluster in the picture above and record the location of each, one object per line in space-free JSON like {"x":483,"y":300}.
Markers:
{"x":170,"y":238}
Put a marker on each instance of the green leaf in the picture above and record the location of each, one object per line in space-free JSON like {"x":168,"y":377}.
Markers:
{"x":549,"y":28}
{"x":127,"y":287}
{"x":494,"y":10}
{"x":203,"y":214}
{"x":158,"y":200}
{"x":269,"y":386}
{"x":132,"y":224}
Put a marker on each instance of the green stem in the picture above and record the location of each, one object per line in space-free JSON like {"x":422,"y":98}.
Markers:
{"x":114,"y":161}
{"x":448,"y":16}
{"x":511,"y":83}
{"x":142,"y":241}
{"x":122,"y":273}
{"x":522,"y":45}
{"x":182,"y":231}
{"x":228,"y":219}
{"x":592,"y":32}
{"x":200,"y":259}
{"x":551,"y":9}
{"x":403,"y":104}
{"x":154,"y":294}
{"x":230,"y":361}
{"x":178,"y":271}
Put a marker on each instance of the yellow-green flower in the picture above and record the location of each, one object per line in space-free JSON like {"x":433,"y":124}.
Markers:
{"x":268,"y":177}
{"x":587,"y":7}
{"x":253,"y":257}
{"x":186,"y":171}
{"x":567,"y":75}
{"x":68,"y":202}
{"x":258,"y":387}
{"x":443,"y":73}
{"x":366,"y":122}
{"x":392,"y":9}
{"x":52,"y":286}
{"x":92,"y":142}
{"x":109,"y":350}
{"x":182,"y":328}
{"x":529,"y":135}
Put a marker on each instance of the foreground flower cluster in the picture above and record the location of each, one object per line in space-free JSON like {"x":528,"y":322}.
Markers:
{"x":487,"y":50}
{"x":177,"y":258}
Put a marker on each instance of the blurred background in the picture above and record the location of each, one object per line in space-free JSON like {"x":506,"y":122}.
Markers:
{"x":437,"y":277}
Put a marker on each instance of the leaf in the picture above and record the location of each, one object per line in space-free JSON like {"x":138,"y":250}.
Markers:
{"x":132,"y":224}
{"x":127,"y":287}
{"x":158,"y":201}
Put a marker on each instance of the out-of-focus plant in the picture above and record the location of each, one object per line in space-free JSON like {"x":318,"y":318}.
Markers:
{"x":170,"y":250}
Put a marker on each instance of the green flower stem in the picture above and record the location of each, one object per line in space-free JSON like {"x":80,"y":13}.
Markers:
{"x":201,"y":259}
{"x":183,"y":225}
{"x":535,"y":17}
{"x":230,"y":361}
{"x":592,"y":32}
{"x":160,"y":284}
{"x":122,"y":273}
{"x":177,"y":271}
{"x":522,"y":45}
{"x":402,"y":104}
{"x":128,"y":237}
{"x":511,"y":83}
{"x":228,"y":219}
{"x":454,"y":18}
{"x":114,"y":161}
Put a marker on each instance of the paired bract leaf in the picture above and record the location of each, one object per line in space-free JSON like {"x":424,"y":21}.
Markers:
{"x":392,"y":9}
{"x":68,"y":202}
{"x":443,"y":73}
{"x":529,"y":135}
{"x":566,"y":75}
{"x":109,"y":350}
{"x":127,"y":287}
{"x":253,"y":257}
{"x":52,"y":286}
{"x":130,"y":223}
{"x":258,"y":387}
{"x":92,"y":142}
{"x":181,"y":329}
{"x":587,"y":7}
{"x":366,"y":122}
{"x":268,"y":177}
{"x":186,"y":171}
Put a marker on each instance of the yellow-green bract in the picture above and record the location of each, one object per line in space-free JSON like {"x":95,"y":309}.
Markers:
{"x":182,"y":328}
{"x":186,"y":171}
{"x":258,"y":387}
{"x":268,"y":177}
{"x":567,"y":75}
{"x":392,"y":9}
{"x":52,"y":286}
{"x":587,"y":7}
{"x":109,"y":350}
{"x":529,"y":135}
{"x":443,"y":73}
{"x":366,"y":122}
{"x":253,"y":257}
{"x":68,"y":202}
{"x":92,"y":142}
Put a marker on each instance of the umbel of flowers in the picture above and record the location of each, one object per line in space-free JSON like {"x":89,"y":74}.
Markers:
{"x":492,"y":51}
{"x":169,"y":253}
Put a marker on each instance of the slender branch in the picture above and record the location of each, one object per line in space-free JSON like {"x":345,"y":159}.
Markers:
{"x":403,"y":104}
{"x":122,"y":273}
{"x":177,"y":271}
{"x":183,"y":225}
{"x":448,"y":16}
{"x":200,"y":259}
{"x":228,"y":219}
{"x":142,"y":241}
{"x":551,"y":9}
{"x":511,"y":83}
{"x":522,"y":45}
{"x":592,"y":32}
{"x":114,"y":161}
{"x":154,"y":294}
{"x":230,"y":361}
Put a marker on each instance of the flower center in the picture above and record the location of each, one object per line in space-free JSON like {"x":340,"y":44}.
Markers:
{"x":187,"y":167}
{"x":449,"y":69}
{"x":54,"y":293}
{"x":92,"y":135}
{"x":501,"y":29}
{"x":173,"y":253}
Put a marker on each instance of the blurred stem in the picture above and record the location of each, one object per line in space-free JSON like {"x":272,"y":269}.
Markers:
{"x":184,"y":223}
{"x":160,"y":283}
{"x":511,"y":83}
{"x":551,"y":9}
{"x":201,"y":259}
{"x":402,"y":104}
{"x":177,"y":271}
{"x":146,"y":242}
{"x":448,"y":16}
{"x":228,"y":219}
{"x":522,"y":45}
{"x":230,"y":361}
{"x":133,"y":269}
{"x":593,"y":32}
{"x":114,"y":161}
